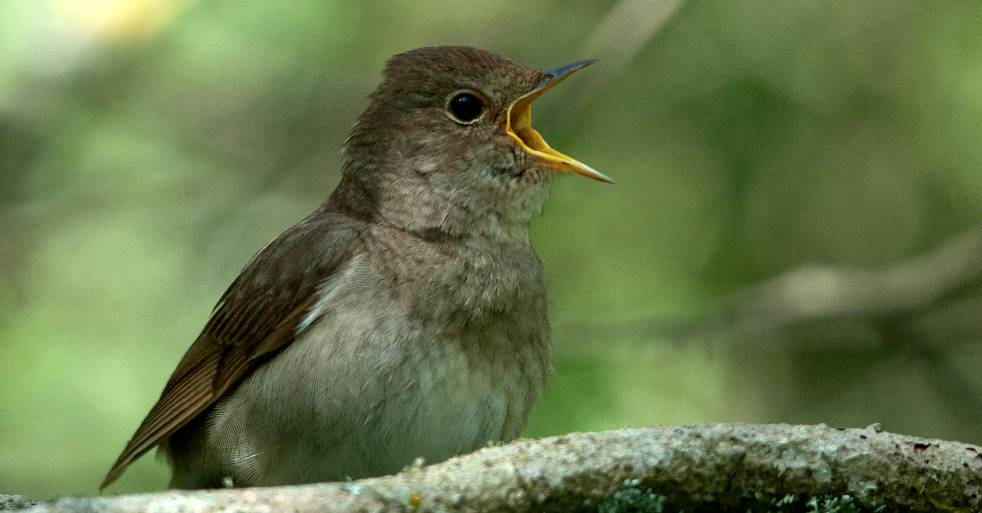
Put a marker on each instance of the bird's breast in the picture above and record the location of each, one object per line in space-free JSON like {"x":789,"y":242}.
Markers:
{"x":369,"y":384}
{"x":466,"y":283}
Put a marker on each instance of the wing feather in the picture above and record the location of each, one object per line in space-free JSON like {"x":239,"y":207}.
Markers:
{"x":256,"y":317}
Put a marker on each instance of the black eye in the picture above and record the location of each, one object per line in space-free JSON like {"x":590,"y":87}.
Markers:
{"x":465,"y":107}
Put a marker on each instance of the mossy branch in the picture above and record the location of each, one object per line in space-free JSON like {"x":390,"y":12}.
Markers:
{"x":716,"y":467}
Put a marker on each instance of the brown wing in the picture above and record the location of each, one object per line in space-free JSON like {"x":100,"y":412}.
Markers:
{"x":255,"y":317}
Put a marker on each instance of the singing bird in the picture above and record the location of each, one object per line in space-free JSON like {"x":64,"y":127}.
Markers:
{"x":405,"y":317}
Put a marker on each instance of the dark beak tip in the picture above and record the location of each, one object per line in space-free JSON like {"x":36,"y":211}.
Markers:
{"x":559,"y":73}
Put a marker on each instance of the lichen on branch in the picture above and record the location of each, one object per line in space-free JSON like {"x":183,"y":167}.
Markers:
{"x":717,"y":467}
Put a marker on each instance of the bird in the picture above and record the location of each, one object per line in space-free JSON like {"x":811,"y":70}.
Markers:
{"x":404,"y":318}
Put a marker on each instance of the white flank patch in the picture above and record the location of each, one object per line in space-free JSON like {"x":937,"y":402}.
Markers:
{"x":326,"y":293}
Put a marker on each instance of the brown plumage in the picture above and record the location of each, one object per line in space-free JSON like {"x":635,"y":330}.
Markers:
{"x":410,"y":297}
{"x":253,"y":319}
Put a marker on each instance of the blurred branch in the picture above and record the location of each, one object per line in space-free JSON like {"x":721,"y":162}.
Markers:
{"x":616,"y":41}
{"x":890,"y":300}
{"x":622,"y":34}
{"x":817,"y":293}
{"x":715,"y":467}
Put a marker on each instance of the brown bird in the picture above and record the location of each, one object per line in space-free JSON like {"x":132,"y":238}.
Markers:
{"x":405,"y":317}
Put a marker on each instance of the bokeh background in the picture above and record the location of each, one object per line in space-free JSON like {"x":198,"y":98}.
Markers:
{"x":794,"y":235}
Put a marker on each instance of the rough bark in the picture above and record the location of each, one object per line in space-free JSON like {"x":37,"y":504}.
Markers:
{"x":713,"y":467}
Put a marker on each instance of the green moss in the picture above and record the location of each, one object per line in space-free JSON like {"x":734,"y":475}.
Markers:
{"x":632,"y":499}
{"x":823,"y":504}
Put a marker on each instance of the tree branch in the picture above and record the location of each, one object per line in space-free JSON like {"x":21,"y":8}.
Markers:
{"x":712,"y":468}
{"x":815,"y":293}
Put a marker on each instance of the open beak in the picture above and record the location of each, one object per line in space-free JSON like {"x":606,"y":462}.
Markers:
{"x":519,"y":127}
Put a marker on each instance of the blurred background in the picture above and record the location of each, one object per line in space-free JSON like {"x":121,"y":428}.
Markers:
{"x":794,"y":235}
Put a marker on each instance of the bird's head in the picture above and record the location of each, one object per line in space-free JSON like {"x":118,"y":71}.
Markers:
{"x":447,"y":143}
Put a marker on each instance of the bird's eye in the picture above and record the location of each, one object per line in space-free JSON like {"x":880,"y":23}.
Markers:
{"x":465,"y":108}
